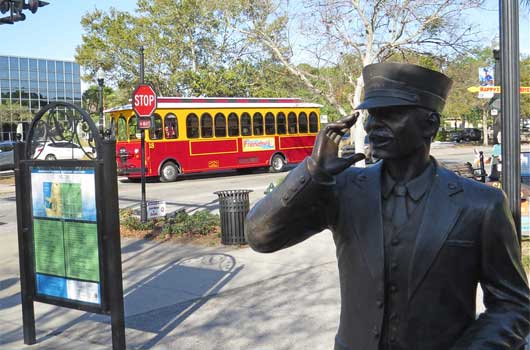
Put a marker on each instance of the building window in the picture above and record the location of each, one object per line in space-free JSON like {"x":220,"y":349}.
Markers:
{"x":233,"y":125}
{"x":220,"y":125}
{"x":280,"y":123}
{"x":313,"y":122}
{"x":192,"y":126}
{"x":13,"y":63}
{"x":155,"y":132}
{"x":4,"y":63}
{"x":257,"y":124}
{"x":171,"y":127}
{"x":206,"y":125}
{"x":291,"y":123}
{"x":245,"y":124}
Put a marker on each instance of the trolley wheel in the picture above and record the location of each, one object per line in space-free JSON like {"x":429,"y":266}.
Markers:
{"x":169,"y":172}
{"x":277,"y":164}
{"x":50,"y":157}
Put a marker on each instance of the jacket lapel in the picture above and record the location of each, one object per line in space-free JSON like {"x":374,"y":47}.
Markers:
{"x":441,"y":214}
{"x":368,"y":224}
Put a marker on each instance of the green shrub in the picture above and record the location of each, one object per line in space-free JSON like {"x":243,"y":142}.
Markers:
{"x":442,"y":135}
{"x":199,"y":223}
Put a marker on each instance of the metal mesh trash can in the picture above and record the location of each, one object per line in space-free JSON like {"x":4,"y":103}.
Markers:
{"x":233,"y":208}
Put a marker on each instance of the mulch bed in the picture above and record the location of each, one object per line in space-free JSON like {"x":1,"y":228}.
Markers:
{"x":212,"y":239}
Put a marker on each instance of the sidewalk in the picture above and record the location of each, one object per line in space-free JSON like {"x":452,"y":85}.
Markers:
{"x":190,"y":297}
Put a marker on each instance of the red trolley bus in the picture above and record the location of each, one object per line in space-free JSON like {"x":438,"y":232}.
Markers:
{"x":204,"y":134}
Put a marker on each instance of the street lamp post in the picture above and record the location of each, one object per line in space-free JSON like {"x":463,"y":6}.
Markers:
{"x":510,"y":80}
{"x":100,"y":75}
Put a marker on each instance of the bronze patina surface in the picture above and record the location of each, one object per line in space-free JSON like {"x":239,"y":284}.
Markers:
{"x":413,"y":240}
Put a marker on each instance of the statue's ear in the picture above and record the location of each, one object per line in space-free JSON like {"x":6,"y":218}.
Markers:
{"x":432,"y":124}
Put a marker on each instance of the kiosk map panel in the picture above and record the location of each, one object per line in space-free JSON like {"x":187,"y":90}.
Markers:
{"x":65,"y":233}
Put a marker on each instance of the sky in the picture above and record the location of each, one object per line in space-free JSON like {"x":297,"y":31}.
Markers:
{"x":55,"y":31}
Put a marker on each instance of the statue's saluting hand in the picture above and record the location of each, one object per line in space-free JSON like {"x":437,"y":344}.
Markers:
{"x":325,"y":151}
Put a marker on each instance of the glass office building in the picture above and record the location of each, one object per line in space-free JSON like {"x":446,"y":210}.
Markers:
{"x":28,"y":84}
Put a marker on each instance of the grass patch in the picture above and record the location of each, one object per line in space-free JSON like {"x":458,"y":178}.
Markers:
{"x":201,"y":227}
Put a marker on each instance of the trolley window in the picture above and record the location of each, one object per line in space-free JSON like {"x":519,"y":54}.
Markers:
{"x":291,"y":122}
{"x":122,"y":129}
{"x":206,"y":125}
{"x":133,"y":128}
{"x":280,"y":123}
{"x":257,"y":124}
{"x":233,"y":125}
{"x":313,"y":122}
{"x":155,"y":132}
{"x":269,"y":124}
{"x":302,"y":122}
{"x":220,"y":125}
{"x":192,"y":126}
{"x":171,"y":126}
{"x":245,"y":124}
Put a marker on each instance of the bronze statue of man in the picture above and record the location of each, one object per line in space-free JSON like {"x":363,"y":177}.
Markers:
{"x":413,"y":240}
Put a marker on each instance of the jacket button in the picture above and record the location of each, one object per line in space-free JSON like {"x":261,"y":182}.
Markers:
{"x":302,"y":179}
{"x":392,"y":339}
{"x":395,"y":241}
{"x":452,"y":186}
{"x":379,"y":304}
{"x":394,"y":266}
{"x":285,"y":197}
{"x":393,"y":288}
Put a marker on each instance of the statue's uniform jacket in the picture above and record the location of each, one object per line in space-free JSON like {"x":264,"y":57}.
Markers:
{"x":466,"y":236}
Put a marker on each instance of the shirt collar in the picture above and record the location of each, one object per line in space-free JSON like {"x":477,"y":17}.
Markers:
{"x":416,"y":187}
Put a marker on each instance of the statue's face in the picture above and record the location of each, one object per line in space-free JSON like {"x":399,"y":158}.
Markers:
{"x":396,"y":132}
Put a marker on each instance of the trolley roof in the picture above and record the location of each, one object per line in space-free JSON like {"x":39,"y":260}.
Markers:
{"x":223,"y":102}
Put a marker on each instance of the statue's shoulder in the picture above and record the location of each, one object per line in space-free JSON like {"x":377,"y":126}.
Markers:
{"x":359,"y":175}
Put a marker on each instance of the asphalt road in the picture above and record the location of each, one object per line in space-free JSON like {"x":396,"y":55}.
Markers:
{"x":196,"y":192}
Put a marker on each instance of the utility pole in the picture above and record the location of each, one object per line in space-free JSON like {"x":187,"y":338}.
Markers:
{"x":510,"y":81}
{"x":143,"y":203}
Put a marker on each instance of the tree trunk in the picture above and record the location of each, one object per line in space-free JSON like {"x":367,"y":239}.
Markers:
{"x":357,"y":131}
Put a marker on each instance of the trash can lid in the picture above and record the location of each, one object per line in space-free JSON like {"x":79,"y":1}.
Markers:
{"x":227,"y":193}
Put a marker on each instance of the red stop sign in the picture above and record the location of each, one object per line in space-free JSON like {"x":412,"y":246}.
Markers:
{"x":144,"y":100}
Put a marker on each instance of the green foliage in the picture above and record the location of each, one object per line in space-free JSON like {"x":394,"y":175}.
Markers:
{"x":442,"y":135}
{"x":91,"y":98}
{"x":198,"y":223}
{"x":14,"y":112}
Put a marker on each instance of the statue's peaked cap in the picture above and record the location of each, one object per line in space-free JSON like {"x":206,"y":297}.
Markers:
{"x":402,"y":84}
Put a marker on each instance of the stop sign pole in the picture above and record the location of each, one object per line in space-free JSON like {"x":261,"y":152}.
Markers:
{"x":144,"y":103}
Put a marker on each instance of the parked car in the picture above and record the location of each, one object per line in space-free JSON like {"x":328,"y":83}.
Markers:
{"x":467,"y":134}
{"x":7,"y":159}
{"x":472,"y":134}
{"x":59,"y":150}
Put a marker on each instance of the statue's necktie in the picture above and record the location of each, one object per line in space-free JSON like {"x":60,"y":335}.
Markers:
{"x":399,"y":214}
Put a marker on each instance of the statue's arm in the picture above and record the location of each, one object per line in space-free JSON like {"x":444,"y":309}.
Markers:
{"x":299,"y":207}
{"x":506,"y":321}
